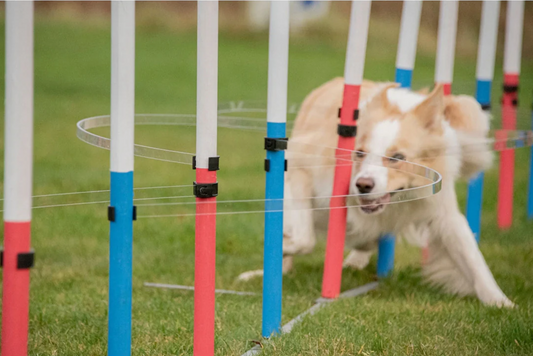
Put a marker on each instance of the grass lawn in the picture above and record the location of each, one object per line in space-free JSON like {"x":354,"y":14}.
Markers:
{"x":69,"y":283}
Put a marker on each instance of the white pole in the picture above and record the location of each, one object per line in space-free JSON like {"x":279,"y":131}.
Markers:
{"x":487,"y":40}
{"x":278,"y":62}
{"x":446,"y":41}
{"x":207,"y":68}
{"x":18,"y":111}
{"x":405,"y":58}
{"x":122,"y":85}
{"x":513,"y":37}
{"x":357,"y":38}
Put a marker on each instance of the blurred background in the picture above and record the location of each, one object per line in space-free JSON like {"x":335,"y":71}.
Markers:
{"x":310,"y":19}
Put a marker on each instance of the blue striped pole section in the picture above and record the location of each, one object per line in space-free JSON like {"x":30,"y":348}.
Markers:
{"x":484,"y":74}
{"x":530,"y":192}
{"x":278,"y":64}
{"x":120,"y":211}
{"x":405,"y":62}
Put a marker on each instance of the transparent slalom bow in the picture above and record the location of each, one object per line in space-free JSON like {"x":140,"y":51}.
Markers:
{"x":161,"y":194}
{"x":424,"y":181}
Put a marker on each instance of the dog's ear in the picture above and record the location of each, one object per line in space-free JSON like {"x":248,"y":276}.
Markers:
{"x":430,"y":111}
{"x":380,"y":100}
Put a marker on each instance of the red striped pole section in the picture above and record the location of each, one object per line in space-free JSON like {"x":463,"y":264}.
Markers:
{"x":347,"y":129}
{"x":511,"y":73}
{"x":206,"y":186}
{"x":17,"y":257}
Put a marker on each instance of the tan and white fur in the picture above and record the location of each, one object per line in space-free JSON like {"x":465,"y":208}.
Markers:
{"x":427,"y":129}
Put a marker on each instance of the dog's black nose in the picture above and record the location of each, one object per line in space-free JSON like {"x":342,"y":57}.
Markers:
{"x":365,"y":185}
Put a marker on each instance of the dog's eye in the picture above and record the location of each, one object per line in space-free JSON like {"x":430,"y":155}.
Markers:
{"x":397,"y":157}
{"x":360,"y":154}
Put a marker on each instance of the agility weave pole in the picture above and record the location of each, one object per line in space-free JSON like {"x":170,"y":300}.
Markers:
{"x":444,"y":62}
{"x":511,"y":73}
{"x":206,"y":164}
{"x":17,"y":258}
{"x":405,"y":63}
{"x":447,"y":35}
{"x":275,"y":165}
{"x":121,"y":211}
{"x":347,"y":129}
{"x":486,"y":54}
{"x":530,"y":184}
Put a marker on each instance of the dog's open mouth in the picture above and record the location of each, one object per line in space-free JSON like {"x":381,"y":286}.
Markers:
{"x":372,"y":206}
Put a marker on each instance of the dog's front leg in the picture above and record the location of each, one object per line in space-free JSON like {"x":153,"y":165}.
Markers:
{"x":298,"y":225}
{"x":461,"y":246}
{"x":357,"y":259}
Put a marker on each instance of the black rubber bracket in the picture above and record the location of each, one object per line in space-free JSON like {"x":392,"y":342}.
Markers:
{"x":111,"y":213}
{"x":485,"y":107}
{"x":347,"y":130}
{"x":1,"y":258}
{"x":212,"y":163}
{"x":355,"y":114}
{"x":275,"y":144}
{"x":205,"y":190}
{"x":25,"y":260}
{"x":510,"y":88}
{"x":134,"y":217}
{"x":267,"y":165}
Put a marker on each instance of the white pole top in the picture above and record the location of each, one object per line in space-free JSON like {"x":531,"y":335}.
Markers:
{"x":122,"y":85}
{"x":488,"y":37}
{"x":18,"y":112}
{"x":357,"y":38}
{"x":207,"y":83}
{"x":405,"y":58}
{"x":446,"y":41}
{"x":278,"y":62}
{"x":513,"y":36}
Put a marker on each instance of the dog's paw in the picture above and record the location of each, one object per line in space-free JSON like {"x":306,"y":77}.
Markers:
{"x":246,"y":276}
{"x":501,"y":303}
{"x":357,"y":259}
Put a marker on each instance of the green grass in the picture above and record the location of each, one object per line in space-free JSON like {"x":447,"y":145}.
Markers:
{"x":69,"y":283}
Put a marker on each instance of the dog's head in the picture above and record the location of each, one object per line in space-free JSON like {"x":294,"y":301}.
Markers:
{"x":395,"y":127}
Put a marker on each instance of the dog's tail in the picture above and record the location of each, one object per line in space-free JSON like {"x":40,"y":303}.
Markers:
{"x":472,"y":125}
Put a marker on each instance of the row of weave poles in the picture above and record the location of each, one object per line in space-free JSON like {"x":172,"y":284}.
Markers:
{"x":18,"y":257}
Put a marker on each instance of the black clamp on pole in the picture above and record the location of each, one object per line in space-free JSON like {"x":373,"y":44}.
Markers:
{"x":275,"y":144}
{"x":213,"y":163}
{"x":347,"y":130}
{"x":509,"y":89}
{"x":355,"y":114}
{"x":111,"y":213}
{"x":267,"y":165}
{"x":205,"y":190}
{"x":25,"y":260}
